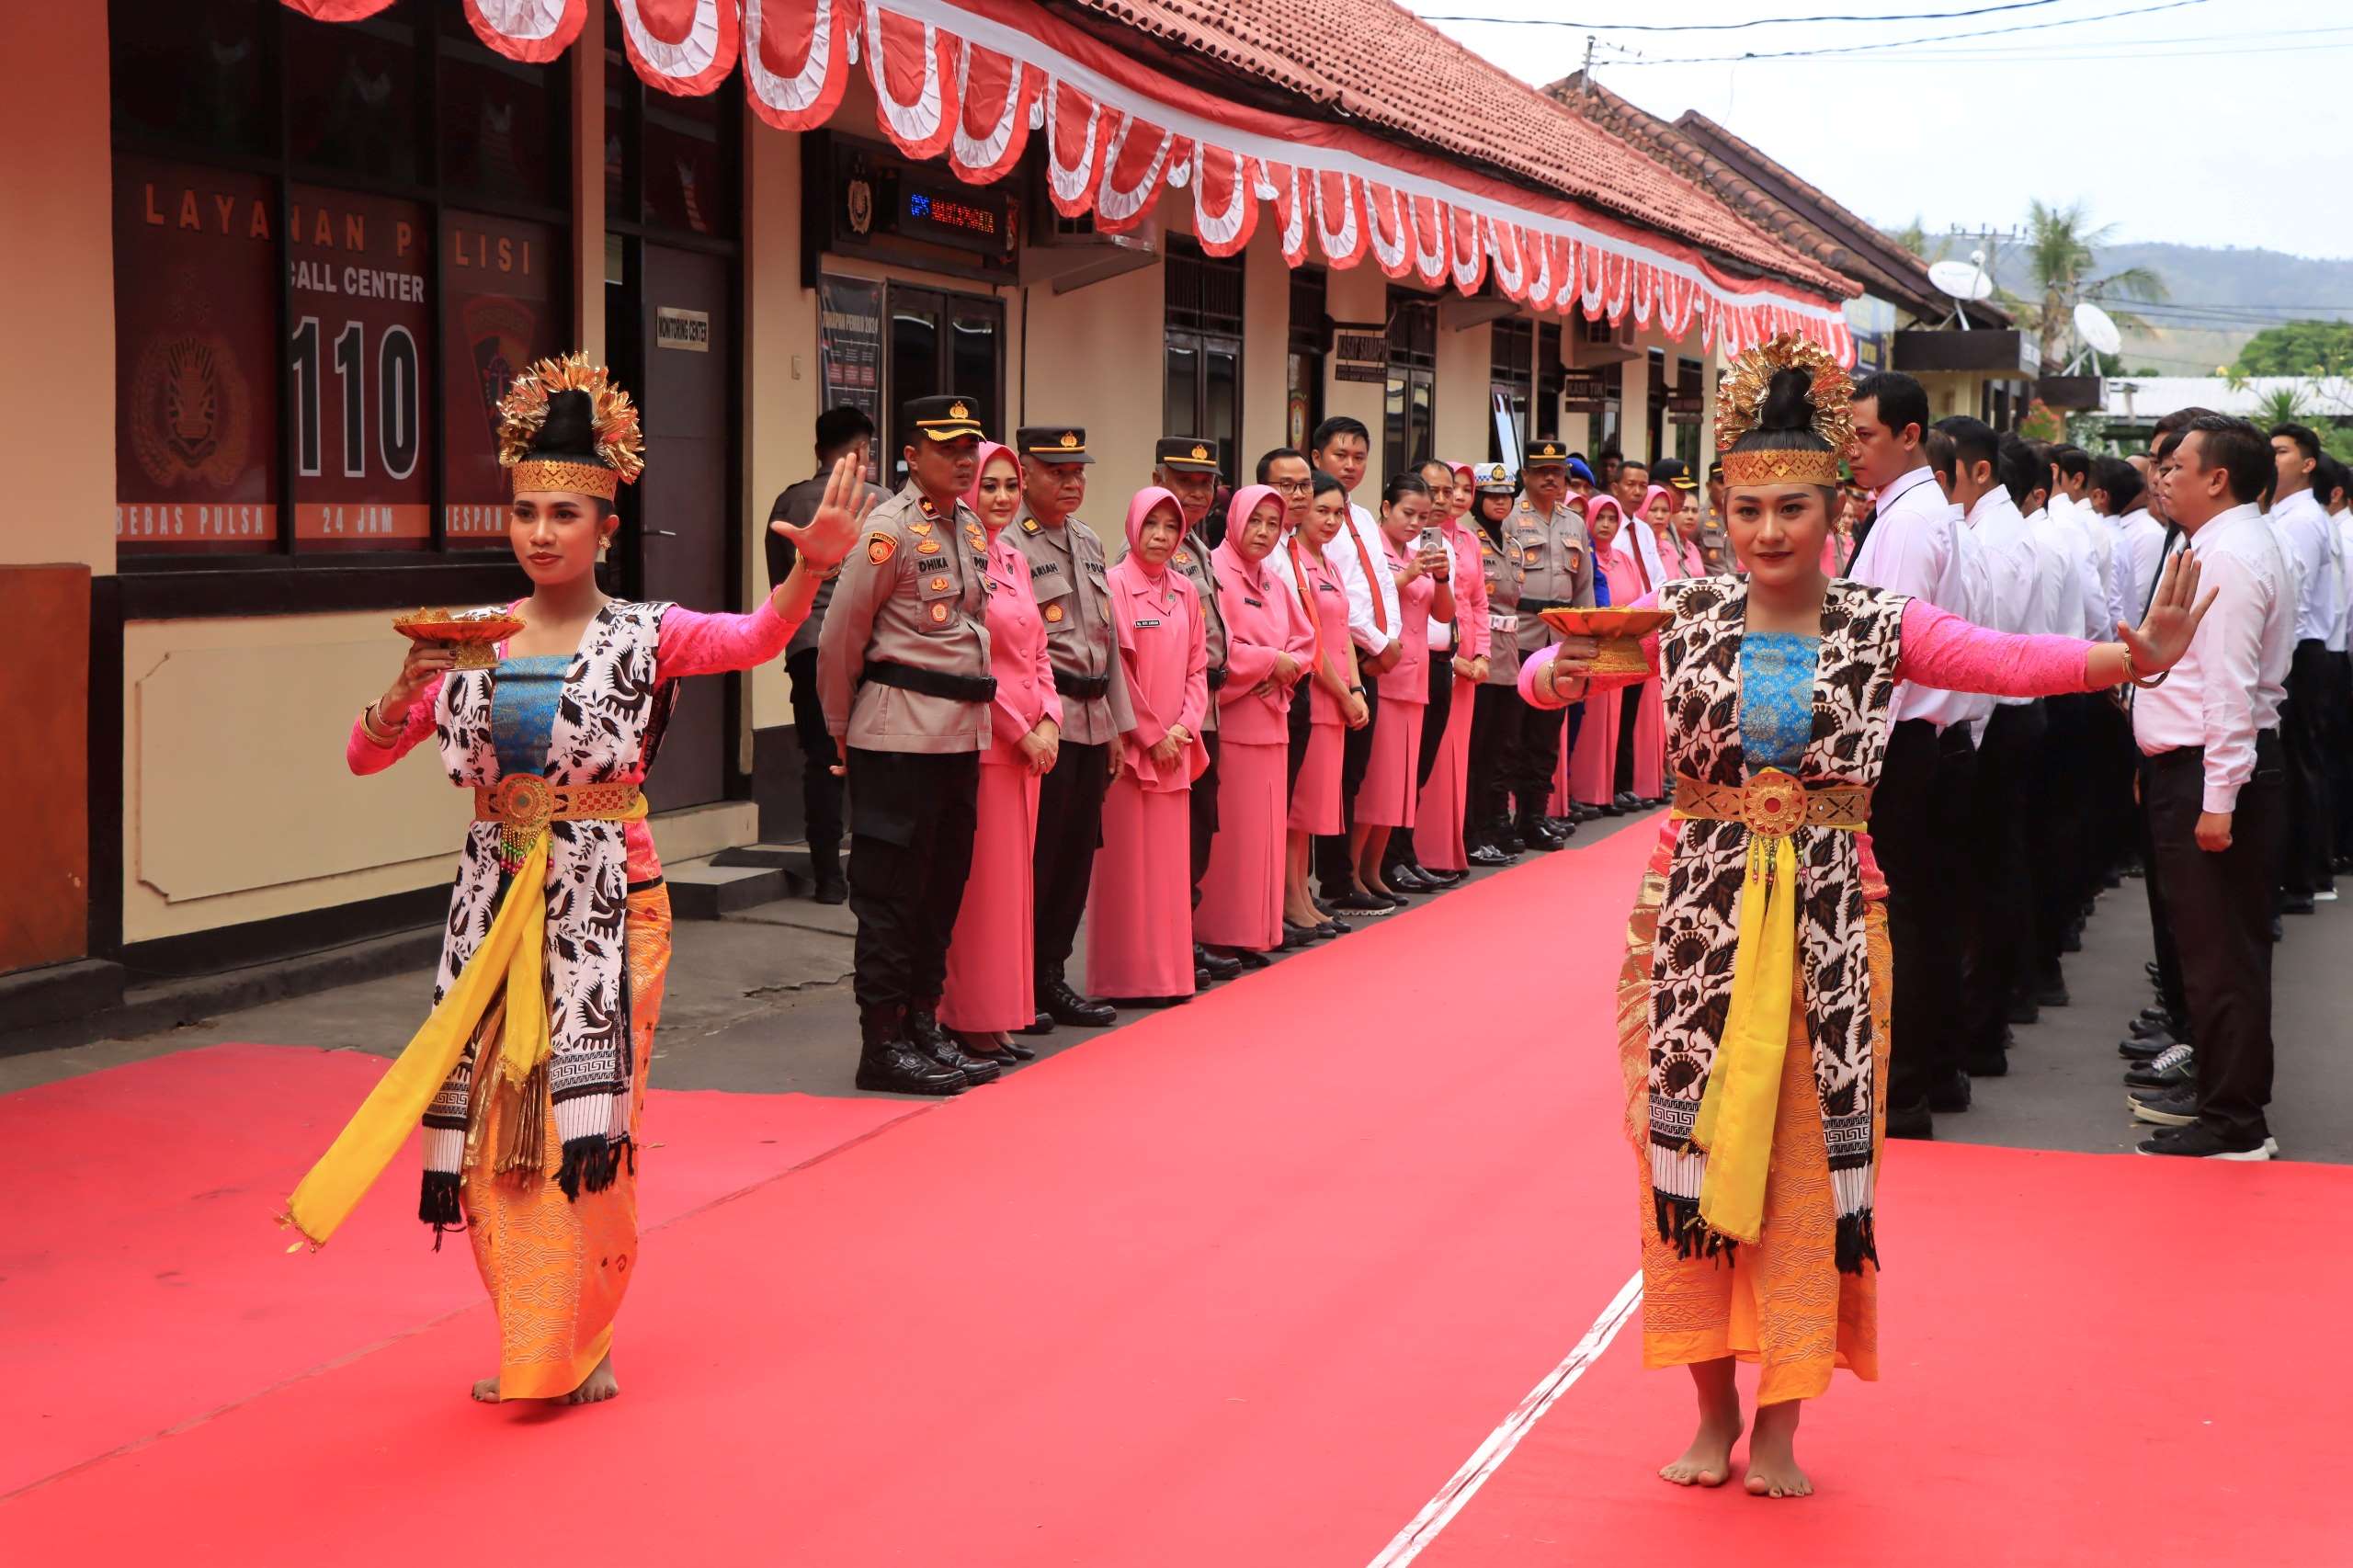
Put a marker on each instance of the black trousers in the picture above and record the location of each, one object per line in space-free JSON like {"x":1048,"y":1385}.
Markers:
{"x":1999,"y":946}
{"x":1538,"y":755}
{"x":2168,"y":951}
{"x":1203,"y":810}
{"x":1303,"y":730}
{"x":1494,"y":728}
{"x":1434,"y":716}
{"x":1334,"y":874}
{"x":1070,"y":829}
{"x":1621,"y":767}
{"x":2221,"y":905}
{"x":2340,"y":753}
{"x":2305,"y":741}
{"x":911,"y":815}
{"x":1919,"y":832}
{"x":2056,"y":830}
{"x":821,"y":791}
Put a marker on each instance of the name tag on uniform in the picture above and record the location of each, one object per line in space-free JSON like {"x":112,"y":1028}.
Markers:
{"x":1325,"y":588}
{"x":1146,"y":625}
{"x":1254,"y":603}
{"x":1502,"y":621}
{"x":1040,"y":568}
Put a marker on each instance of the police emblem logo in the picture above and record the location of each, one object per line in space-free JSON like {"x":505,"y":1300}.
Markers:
{"x":958,"y":411}
{"x":929,"y":547}
{"x":1070,"y":438}
{"x":1184,"y":558}
{"x":920,"y":528}
{"x":880,"y":548}
{"x":1054,"y":613}
{"x":939,"y":612}
{"x":190,"y":415}
{"x":939,"y":585}
{"x":1200,"y":453}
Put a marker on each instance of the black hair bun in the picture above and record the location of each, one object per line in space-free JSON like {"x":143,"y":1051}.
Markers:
{"x":1788,"y":400}
{"x":569,"y":429}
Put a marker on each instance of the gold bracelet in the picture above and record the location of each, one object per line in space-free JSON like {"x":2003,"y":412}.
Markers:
{"x":2133,"y":676}
{"x":368,"y":726}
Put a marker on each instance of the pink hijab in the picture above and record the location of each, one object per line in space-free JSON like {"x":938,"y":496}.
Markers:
{"x":1146,"y":499}
{"x":1246,"y":501}
{"x":989,"y":452}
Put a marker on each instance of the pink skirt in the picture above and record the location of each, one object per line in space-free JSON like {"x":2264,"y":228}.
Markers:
{"x":1241,"y":893}
{"x":1437,"y":824}
{"x":1593,"y":764}
{"x":1315,"y":800}
{"x":1139,"y":913}
{"x":1385,"y":798}
{"x":991,"y":975}
{"x":1650,"y":744}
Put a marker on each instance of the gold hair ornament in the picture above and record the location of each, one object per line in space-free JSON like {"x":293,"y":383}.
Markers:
{"x":620,"y":440}
{"x":1742,"y":397}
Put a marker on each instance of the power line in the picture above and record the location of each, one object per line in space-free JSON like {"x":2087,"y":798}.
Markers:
{"x":2123,"y":49}
{"x":1733,"y":27}
{"x":2091,"y":52}
{"x":1909,"y":42}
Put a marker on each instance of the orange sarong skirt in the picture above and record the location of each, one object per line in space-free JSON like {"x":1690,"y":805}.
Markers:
{"x":1781,"y":1304}
{"x":556,"y":1269}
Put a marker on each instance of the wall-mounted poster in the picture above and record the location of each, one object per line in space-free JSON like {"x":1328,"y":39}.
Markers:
{"x":196,"y":311}
{"x":361,"y":319}
{"x":500,"y":316}
{"x":849,"y":344}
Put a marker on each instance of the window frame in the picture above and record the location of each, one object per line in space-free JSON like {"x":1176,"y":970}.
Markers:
{"x":1190,"y":323}
{"x":284,"y":578}
{"x":1413,"y":364}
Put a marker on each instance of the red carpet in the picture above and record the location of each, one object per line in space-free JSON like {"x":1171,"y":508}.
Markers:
{"x":145,"y":1286}
{"x":1245,"y":1282}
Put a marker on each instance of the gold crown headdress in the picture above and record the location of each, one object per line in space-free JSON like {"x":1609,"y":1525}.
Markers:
{"x":614,"y":451}
{"x":1741,"y":398}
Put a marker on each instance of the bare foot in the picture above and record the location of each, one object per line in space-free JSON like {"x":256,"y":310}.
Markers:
{"x":1707,"y":1461}
{"x":486,"y":1390}
{"x":600,"y":1386}
{"x":1772,"y":1453}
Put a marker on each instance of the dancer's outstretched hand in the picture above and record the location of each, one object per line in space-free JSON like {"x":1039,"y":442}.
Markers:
{"x":2164,"y":635}
{"x":826,"y":537}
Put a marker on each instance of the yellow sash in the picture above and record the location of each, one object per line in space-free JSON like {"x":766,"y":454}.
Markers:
{"x":511,"y":959}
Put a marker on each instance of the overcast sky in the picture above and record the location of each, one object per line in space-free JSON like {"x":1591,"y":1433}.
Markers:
{"x":2219,"y":135}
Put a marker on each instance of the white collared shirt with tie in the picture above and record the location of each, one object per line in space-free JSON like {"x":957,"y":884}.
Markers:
{"x":1916,"y":547}
{"x":2230,"y":685}
{"x":2309,"y":537}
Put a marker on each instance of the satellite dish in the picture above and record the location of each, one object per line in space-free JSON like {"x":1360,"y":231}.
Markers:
{"x":2093,"y":326}
{"x":1962,"y":279}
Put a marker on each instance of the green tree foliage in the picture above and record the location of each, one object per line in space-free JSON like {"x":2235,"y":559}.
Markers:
{"x":2060,"y":245}
{"x":2299,"y":348}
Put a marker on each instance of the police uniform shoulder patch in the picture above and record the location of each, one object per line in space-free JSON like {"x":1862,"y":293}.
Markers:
{"x":939,"y":611}
{"x":1029,"y":524}
{"x":1184,"y":558}
{"x":880,"y":548}
{"x":1053,"y":612}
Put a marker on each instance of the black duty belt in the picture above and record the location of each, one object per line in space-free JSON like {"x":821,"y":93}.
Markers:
{"x":931,"y":683}
{"x":1217,"y":677}
{"x":1533,"y":605}
{"x":1084,"y":687}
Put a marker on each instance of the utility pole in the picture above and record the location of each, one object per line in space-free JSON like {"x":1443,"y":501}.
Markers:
{"x":1589,"y":65}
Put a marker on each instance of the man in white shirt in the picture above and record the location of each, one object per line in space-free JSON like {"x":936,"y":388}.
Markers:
{"x":2214,"y":788}
{"x":2333,"y":487}
{"x":2115,"y":503}
{"x":1341,"y":448}
{"x":1909,"y":544}
{"x":2308,"y":535}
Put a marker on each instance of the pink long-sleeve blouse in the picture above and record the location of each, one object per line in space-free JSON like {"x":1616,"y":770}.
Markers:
{"x":1262,"y":618}
{"x":1938,"y":649}
{"x":1470,"y":580}
{"x":1018,"y":657}
{"x":693,"y":643}
{"x":1164,"y":648}
{"x":1409,"y":680}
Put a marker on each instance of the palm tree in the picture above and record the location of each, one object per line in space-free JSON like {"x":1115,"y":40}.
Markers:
{"x":2060,"y":245}
{"x":2291,"y":405}
{"x":1915,"y":237}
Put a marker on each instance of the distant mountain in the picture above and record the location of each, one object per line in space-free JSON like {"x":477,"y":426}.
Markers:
{"x":2193,"y":331}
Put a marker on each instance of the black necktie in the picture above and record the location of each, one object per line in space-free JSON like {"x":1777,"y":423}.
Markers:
{"x":2173,"y":534}
{"x":1863,"y":530}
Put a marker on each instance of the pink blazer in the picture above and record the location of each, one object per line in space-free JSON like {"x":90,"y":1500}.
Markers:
{"x":1164,"y":647}
{"x":1262,"y":618}
{"x":1322,"y":584}
{"x":1018,"y":658}
{"x":1476,"y":636}
{"x":1409,"y":680}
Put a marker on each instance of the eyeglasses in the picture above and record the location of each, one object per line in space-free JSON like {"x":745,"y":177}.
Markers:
{"x":1291,"y":487}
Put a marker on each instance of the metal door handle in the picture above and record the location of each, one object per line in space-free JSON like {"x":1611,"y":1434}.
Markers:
{"x":660,"y":533}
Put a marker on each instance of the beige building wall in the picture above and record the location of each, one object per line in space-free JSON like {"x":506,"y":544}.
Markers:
{"x":1266,"y":350}
{"x":1359,"y":294}
{"x":57,"y":270}
{"x":1462,"y":417}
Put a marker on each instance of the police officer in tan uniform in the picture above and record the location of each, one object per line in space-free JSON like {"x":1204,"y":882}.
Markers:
{"x":903,"y":671}
{"x":1499,"y":713}
{"x":1551,"y":557}
{"x":1186,"y":467}
{"x":1066,"y":568}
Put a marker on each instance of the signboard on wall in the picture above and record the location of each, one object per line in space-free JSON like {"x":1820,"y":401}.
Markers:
{"x":849,"y":344}
{"x":196,"y":414}
{"x":676,"y":327}
{"x":1360,"y":356}
{"x":499,"y":318}
{"x":1589,"y":392}
{"x":361,"y":319}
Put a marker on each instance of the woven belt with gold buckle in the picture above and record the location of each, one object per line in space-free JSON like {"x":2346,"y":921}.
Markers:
{"x":1774,"y":805}
{"x":524,"y":803}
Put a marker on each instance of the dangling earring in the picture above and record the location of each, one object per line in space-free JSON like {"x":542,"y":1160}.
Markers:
{"x":604,"y":548}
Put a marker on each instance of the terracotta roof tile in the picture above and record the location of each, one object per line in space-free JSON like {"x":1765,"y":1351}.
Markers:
{"x":1377,"y":64}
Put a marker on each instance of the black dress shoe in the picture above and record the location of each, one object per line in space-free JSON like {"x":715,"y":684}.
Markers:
{"x":2145,"y":1047}
{"x":1950,"y":1095}
{"x":2154,"y":1021}
{"x":984,"y":1048}
{"x":1020,"y":1052}
{"x":1628,"y":801}
{"x":2296,"y":904}
{"x":2024,"y":1011}
{"x":1218,"y":968}
{"x":1067,"y":1006}
{"x":1248,"y":959}
{"x":1362,"y":904}
{"x":1442,"y":879}
{"x":1331,"y":928}
{"x":1911,"y":1122}
{"x":1537,"y":834}
{"x":1042,"y":1024}
{"x":1488,"y":855}
{"x":1296,"y":936}
{"x":1406,"y":878}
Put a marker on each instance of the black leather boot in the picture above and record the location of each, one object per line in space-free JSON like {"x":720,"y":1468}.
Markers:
{"x":825,"y":866}
{"x":923,"y":1028}
{"x":888,"y":1061}
{"x":1064,"y":1006}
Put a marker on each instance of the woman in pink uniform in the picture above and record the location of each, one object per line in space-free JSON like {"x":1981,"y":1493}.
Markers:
{"x":1593,"y":762}
{"x":1139,"y":918}
{"x":1444,"y":810}
{"x":1268,"y":646}
{"x":1336,"y":702}
{"x":988,"y":995}
{"x":1386,"y":798}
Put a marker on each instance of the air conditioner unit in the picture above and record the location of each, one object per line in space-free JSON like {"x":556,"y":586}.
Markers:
{"x":1072,"y":252}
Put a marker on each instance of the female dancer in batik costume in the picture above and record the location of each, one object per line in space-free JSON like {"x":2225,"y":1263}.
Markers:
{"x":1753,"y":1006}
{"x":529,"y":1075}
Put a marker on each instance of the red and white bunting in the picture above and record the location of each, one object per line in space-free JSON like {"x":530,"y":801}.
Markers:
{"x":971,"y":80}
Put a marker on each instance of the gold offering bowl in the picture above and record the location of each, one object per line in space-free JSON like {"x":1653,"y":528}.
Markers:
{"x":475,"y":633}
{"x":1620,"y":632}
